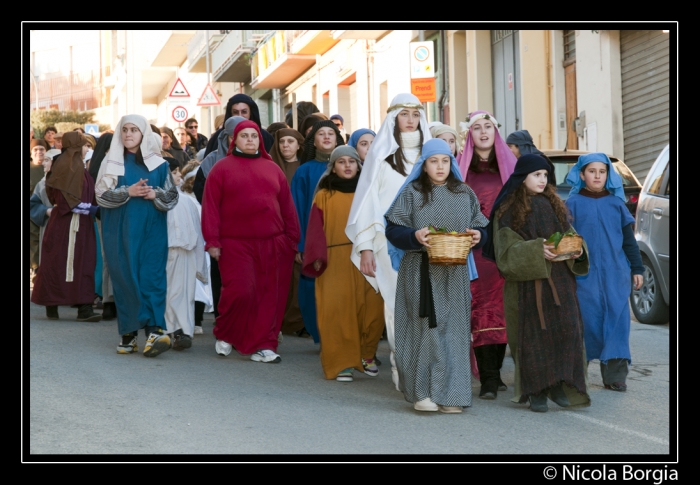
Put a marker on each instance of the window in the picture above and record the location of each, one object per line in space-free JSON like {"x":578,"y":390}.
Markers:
{"x":656,"y":184}
{"x":657,"y":175}
{"x":569,"y":46}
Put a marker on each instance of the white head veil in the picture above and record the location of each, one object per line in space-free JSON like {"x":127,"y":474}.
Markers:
{"x":113,"y":164}
{"x":384,"y":144}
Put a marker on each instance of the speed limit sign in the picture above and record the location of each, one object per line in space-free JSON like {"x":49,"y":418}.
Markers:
{"x":180,"y":114}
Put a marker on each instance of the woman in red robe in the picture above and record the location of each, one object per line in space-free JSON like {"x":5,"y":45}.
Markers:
{"x":69,"y":248}
{"x":251,"y":228}
{"x":486,"y":163}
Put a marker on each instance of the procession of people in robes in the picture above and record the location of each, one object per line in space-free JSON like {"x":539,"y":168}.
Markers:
{"x":297,"y":233}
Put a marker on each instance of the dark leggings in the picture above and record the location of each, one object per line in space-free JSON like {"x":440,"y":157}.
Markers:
{"x":215,"y":285}
{"x":198,"y":313}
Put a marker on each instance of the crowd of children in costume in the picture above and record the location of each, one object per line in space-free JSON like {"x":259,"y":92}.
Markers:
{"x":331,"y":239}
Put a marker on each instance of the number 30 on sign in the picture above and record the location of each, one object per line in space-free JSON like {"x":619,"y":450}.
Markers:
{"x":180,"y":114}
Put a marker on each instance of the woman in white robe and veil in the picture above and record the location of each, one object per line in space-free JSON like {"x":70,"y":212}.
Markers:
{"x":390,"y":159}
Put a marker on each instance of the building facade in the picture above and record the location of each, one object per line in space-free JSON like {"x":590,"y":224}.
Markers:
{"x":595,"y":90}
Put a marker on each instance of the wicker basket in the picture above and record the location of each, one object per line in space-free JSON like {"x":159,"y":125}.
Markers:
{"x":449,"y":249}
{"x":568,"y":247}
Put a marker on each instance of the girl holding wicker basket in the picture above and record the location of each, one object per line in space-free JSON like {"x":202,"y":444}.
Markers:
{"x":433,"y":302}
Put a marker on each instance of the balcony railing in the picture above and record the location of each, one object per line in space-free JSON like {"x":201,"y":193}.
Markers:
{"x":232,"y":46}
{"x":272,"y":48}
{"x":78,"y":91}
{"x":196,"y":47}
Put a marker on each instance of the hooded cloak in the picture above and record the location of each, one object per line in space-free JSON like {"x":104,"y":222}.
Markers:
{"x":68,"y":169}
{"x":310,"y":148}
{"x":287,"y":167}
{"x":222,"y":147}
{"x":525,"y":166}
{"x":254,"y":116}
{"x":523,"y":140}
{"x":99,"y":154}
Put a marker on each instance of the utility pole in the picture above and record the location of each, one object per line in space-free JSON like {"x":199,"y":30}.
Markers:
{"x":209,"y":120}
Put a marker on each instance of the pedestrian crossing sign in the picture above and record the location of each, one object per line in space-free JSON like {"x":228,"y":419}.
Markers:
{"x":92,"y":129}
{"x":208,"y":97}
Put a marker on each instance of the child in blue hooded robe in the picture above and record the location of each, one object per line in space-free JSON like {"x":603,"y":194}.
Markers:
{"x":597,"y":204}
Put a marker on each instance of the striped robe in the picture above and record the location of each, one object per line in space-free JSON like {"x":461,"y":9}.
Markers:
{"x":434,"y":362}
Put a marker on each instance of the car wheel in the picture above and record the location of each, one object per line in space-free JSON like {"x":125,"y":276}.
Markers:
{"x":648,"y":303}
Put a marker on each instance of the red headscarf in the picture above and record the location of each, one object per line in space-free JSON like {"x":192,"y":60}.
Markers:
{"x":241,"y":126}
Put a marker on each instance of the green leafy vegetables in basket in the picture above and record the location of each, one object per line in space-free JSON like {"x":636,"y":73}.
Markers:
{"x":440,"y":230}
{"x":558,"y":236}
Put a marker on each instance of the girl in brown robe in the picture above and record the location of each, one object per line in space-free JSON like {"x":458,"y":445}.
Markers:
{"x":543,"y":320}
{"x":286,"y":153}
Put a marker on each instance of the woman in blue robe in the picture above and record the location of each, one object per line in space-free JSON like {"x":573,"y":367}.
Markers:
{"x":318,"y":145}
{"x":135,"y":190}
{"x":597,"y":204}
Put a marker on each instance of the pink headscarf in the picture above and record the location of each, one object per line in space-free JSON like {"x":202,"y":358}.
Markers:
{"x":505,"y":158}
{"x":248,"y":124}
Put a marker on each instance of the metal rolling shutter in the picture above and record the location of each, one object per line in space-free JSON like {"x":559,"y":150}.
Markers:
{"x":644,"y":60}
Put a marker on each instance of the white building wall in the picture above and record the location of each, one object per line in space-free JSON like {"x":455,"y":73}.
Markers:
{"x":559,"y":91}
{"x":374,"y":64}
{"x":598,"y":86}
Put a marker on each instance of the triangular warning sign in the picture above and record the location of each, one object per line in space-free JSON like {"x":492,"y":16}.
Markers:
{"x":179,"y":90}
{"x":208,"y":98}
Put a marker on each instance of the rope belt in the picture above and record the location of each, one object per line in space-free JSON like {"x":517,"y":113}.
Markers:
{"x":538,"y":298}
{"x":341,"y":244}
{"x":74,"y":226}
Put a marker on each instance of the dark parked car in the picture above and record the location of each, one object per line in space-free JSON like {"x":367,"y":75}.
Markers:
{"x":650,"y":303}
{"x":564,"y":160}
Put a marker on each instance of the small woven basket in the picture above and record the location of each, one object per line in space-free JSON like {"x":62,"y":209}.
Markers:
{"x":568,"y":246}
{"x":449,"y":249}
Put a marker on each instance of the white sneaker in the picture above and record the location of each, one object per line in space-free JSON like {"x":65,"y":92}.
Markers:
{"x":198,"y":330}
{"x":223,"y":348}
{"x":425,"y":405}
{"x":267,"y":356}
{"x":279,"y":338}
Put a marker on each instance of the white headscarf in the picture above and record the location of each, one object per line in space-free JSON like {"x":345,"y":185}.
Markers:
{"x":440,"y":129}
{"x":113,"y":165}
{"x":384,"y":144}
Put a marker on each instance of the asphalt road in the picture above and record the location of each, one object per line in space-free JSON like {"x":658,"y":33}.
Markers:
{"x":84,"y":398}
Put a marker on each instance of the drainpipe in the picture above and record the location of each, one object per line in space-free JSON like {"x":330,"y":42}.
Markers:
{"x":276,"y":105}
{"x":443,"y":77}
{"x":548,"y":54}
{"x":369,"y":58}
{"x":421,"y":38}
{"x":209,"y":119}
{"x":319,"y":91}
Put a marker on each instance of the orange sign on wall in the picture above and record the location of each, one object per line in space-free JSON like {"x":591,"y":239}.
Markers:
{"x":424,"y":89}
